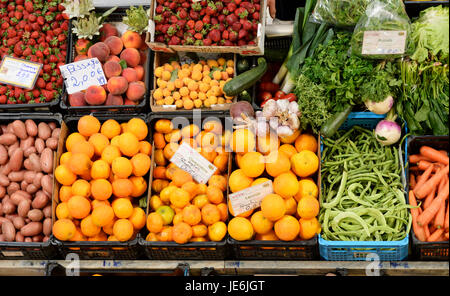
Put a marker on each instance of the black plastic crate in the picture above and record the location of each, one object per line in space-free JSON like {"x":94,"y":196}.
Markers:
{"x":413,"y":8}
{"x":143,"y":105}
{"x":427,"y":251}
{"x":34,"y":250}
{"x":129,"y":250}
{"x":208,"y":250}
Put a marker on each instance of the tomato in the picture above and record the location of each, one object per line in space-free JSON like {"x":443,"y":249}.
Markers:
{"x":265,"y":96}
{"x":279,"y":94}
{"x":291,"y":97}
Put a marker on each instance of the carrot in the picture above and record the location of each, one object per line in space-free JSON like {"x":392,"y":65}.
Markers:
{"x":430,"y":197}
{"x":415,"y":158}
{"x":445,"y":152}
{"x":412,"y":181}
{"x":423,"y":165}
{"x":423,"y":178}
{"x":436,"y":235}
{"x":440,"y":216}
{"x":427,"y":231}
{"x":429,"y":213}
{"x":419,"y":231}
{"x":423,"y":190}
{"x":446,"y":218}
{"x":414,"y":169}
{"x":446,"y":235}
{"x":433,"y":154}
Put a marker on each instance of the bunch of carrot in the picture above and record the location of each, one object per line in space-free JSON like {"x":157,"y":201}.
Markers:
{"x":429,"y":187}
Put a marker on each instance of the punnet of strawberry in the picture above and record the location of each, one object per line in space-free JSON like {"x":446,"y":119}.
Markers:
{"x":207,"y":22}
{"x":34,"y":30}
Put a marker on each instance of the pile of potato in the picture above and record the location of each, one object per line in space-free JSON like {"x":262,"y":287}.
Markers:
{"x":26,"y":180}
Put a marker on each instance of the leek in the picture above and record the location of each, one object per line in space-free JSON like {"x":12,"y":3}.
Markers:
{"x":283,"y":69}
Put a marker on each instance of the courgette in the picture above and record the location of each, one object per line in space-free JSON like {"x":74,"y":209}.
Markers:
{"x":334,"y":122}
{"x":245,"y":80}
{"x":242,"y":65}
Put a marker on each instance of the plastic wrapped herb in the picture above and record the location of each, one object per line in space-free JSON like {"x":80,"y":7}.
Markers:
{"x":383,"y":32}
{"x":341,"y":13}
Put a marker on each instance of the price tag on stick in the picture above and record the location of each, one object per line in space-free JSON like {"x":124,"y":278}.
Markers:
{"x":189,"y":160}
{"x":249,"y":198}
{"x":80,"y":75}
{"x":19,"y":72}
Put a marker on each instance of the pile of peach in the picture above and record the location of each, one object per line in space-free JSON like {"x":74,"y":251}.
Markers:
{"x":122,"y":60}
{"x":182,"y":210}
{"x":102,"y":178}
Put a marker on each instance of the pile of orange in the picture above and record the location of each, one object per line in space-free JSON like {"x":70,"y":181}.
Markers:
{"x":102,"y":176}
{"x":183,"y":210}
{"x":290,"y":213}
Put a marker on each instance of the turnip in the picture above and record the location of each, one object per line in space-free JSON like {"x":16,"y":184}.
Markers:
{"x":382,"y":107}
{"x":387,"y":131}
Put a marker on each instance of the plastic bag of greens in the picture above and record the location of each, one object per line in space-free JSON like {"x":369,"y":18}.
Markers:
{"x":341,"y":13}
{"x":383,"y":32}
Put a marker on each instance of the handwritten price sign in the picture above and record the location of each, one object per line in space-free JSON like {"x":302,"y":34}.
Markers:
{"x":80,"y":75}
{"x":18,"y":72}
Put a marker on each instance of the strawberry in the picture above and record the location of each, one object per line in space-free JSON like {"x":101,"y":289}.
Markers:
{"x":196,"y":6}
{"x":231,"y":19}
{"x":206,"y":19}
{"x":236,"y":26}
{"x":247,"y":25}
{"x":225,"y":34}
{"x":242,"y":34}
{"x":198,"y":36}
{"x":3,"y":99}
{"x":198,"y":26}
{"x":241,"y":12}
{"x":174,"y":40}
{"x":190,"y":24}
{"x":207,"y":42}
{"x":255,"y":15}
{"x":194,"y":15}
{"x":214,"y":35}
{"x":211,"y":9}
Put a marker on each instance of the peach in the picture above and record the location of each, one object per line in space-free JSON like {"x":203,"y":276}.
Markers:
{"x":99,"y":50}
{"x":82,"y":46}
{"x":77,"y":99}
{"x":115,"y":44}
{"x":80,"y":57}
{"x":112,"y":68}
{"x":143,"y":54}
{"x":108,"y":30}
{"x":95,"y":95}
{"x":117,"y":85}
{"x":140,"y":72}
{"x":113,"y":100}
{"x":129,"y":102}
{"x":112,"y":58}
{"x":130,"y":74}
{"x":135,"y":91}
{"x":131,"y":39}
{"x":131,"y":56}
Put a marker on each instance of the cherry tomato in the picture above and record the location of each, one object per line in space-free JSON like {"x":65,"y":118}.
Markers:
{"x":265,"y":96}
{"x":279,"y":94}
{"x":291,"y":97}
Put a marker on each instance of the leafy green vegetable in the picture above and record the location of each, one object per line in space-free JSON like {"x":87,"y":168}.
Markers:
{"x":383,"y":82}
{"x":341,"y":13}
{"x":136,"y":19}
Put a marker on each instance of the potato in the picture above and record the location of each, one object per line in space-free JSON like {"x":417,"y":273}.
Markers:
{"x":2,"y":220}
{"x":31,"y":229}
{"x":28,"y":142}
{"x":27,"y":164}
{"x":47,"y":184}
{"x":28,"y":240}
{"x":1,"y":209}
{"x":16,"y":160}
{"x":51,"y":143}
{"x":2,"y":238}
{"x":18,"y":222}
{"x":29,"y":176}
{"x":3,"y":128}
{"x":37,"y":180}
{"x":39,"y":144}
{"x":13,"y":187}
{"x":23,"y":185}
{"x":47,"y":226}
{"x":46,"y":160}
{"x":16,"y":176}
{"x":56,"y":132}
{"x":31,"y":127}
{"x":38,"y":238}
{"x":8,"y":207}
{"x":8,"y":139}
{"x":47,"y":211}
{"x":4,"y":181}
{"x":40,"y":200}
{"x":2,"y":192}
{"x":13,"y":148}
{"x":19,"y":237}
{"x":29,"y":151}
{"x":35,"y":215}
{"x":52,"y":125}
{"x":31,"y":189}
{"x":19,"y":129}
{"x":3,"y":155}
{"x":24,"y":207}
{"x":35,"y":162}
{"x":9,"y":231}
{"x":45,"y":239}
{"x":44,"y":131}
{"x":18,"y":196}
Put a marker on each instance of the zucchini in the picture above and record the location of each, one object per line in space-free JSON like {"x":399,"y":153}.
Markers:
{"x":245,"y":80}
{"x":334,"y":122}
{"x":242,"y":66}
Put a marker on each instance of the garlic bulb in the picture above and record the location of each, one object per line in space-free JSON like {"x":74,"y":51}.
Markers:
{"x":293,"y":121}
{"x":284,"y":131}
{"x":293,"y":108}
{"x":273,"y":123}
{"x":270,"y":109}
{"x":283,"y":105}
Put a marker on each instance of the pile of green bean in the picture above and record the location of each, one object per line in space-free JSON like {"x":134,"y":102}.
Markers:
{"x":362,"y":192}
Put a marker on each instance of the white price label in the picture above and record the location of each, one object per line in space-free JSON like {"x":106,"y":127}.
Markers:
{"x":80,"y":75}
{"x":250,"y":198}
{"x":383,"y":42}
{"x":189,"y":160}
{"x":18,"y":72}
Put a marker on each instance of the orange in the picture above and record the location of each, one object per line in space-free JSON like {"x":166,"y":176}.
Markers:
{"x":122,"y":167}
{"x":141,"y":164}
{"x":252,"y":164}
{"x":308,"y":228}
{"x":259,"y":181}
{"x":159,"y":172}
{"x":277,"y":163}
{"x":177,"y":218}
{"x":291,"y":206}
{"x":200,"y":201}
{"x":115,"y":141}
{"x":210,"y":214}
{"x":128,"y":144}
{"x":287,"y":149}
{"x":273,"y":207}
{"x":155,"y":202}
{"x":122,"y":187}
{"x":62,"y":211}
{"x":79,"y":163}
{"x":285,"y":185}
{"x":102,"y":215}
{"x":287,"y":228}
{"x":65,"y":192}
{"x":110,"y":128}
{"x":110,"y":153}
{"x":158,"y":185}
{"x":267,"y":143}
{"x":101,"y":189}
{"x":201,"y":188}
{"x":145,"y":147}
{"x":218,"y":181}
{"x":151,"y":237}
{"x":307,"y":188}
{"x":73,"y":139}
{"x":199,"y":230}
{"x":243,"y":140}
{"x":166,"y":192}
{"x":138,"y":127}
{"x":223,"y":209}
{"x":81,"y":187}
{"x":65,"y":157}
{"x":100,"y":237}
{"x":139,"y":186}
{"x":239,"y":181}
{"x":215,"y":195}
{"x":88,"y":228}
{"x":191,"y":215}
{"x":190,"y":131}
{"x":191,"y":187}
{"x":100,"y":169}
{"x":240,"y":229}
{"x":163,"y":126}
{"x":78,"y":236}
{"x":155,"y":222}
{"x":99,"y":142}
{"x":180,"y":177}
{"x":306,"y":142}
{"x":64,"y":229}
{"x":88,"y":125}
{"x":166,"y":234}
{"x":123,"y":230}
{"x":97,"y":203}
{"x":83,"y":147}
{"x":213,"y":126}
{"x":138,"y":218}
{"x":221,"y":162}
{"x":217,"y":231}
{"x":179,"y":198}
{"x":79,"y":207}
{"x":181,"y":233}
{"x":159,"y":141}
{"x":244,"y":215}
{"x":270,"y":236}
{"x":290,"y":139}
{"x":308,"y":207}
{"x":170,"y":149}
{"x":305,"y":163}
{"x":261,"y":224}
{"x":122,"y":207}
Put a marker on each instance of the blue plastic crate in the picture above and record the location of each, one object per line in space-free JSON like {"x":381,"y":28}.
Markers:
{"x":358,"y":250}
